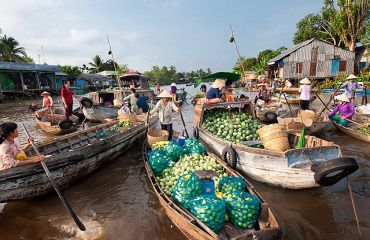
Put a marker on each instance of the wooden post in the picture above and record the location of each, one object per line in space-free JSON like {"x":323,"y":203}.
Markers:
{"x":22,"y":81}
{"x":38,"y":80}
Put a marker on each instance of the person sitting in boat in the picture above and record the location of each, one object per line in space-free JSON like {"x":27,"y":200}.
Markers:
{"x":10,"y":148}
{"x":345,"y":108}
{"x":125,"y":109}
{"x":142,"y":104}
{"x":214,"y":93}
{"x":288,"y":84}
{"x":173,"y":91}
{"x":350,"y":86}
{"x":203,"y":88}
{"x":243,"y":98}
{"x":305,"y":91}
{"x":275,"y":84}
{"x":157,"y":89}
{"x":227,"y":92}
{"x":132,"y":100}
{"x":47,"y":101}
{"x":165,"y":107}
{"x":263,"y":93}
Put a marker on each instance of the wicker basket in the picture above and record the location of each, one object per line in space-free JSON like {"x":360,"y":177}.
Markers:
{"x":156,"y":135}
{"x":274,"y":137}
{"x":295,"y":127}
{"x":142,"y":117}
{"x":266,"y":130}
{"x":131,"y":117}
{"x":308,"y":114}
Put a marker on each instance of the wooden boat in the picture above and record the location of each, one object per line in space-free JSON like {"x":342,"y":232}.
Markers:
{"x":180,"y":96}
{"x":69,"y":158}
{"x":293,"y":100}
{"x":290,"y":90}
{"x":192,"y":228}
{"x":98,"y":113}
{"x":352,"y":132}
{"x":51,"y":125}
{"x":290,"y":169}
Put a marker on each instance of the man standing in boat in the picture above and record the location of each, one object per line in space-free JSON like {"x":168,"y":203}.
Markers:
{"x":350,"y":86}
{"x":67,"y":99}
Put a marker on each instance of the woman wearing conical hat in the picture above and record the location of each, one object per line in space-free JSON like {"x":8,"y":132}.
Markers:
{"x":214,"y":94}
{"x":305,"y":91}
{"x":165,"y":107}
{"x":345,"y":109}
{"x":350,"y":86}
{"x":47,"y":101}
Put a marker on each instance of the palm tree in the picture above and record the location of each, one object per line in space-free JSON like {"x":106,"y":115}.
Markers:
{"x":10,"y":50}
{"x":96,"y":65}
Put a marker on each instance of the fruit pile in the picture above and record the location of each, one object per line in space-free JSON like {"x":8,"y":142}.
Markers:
{"x":187,"y":187}
{"x":159,"y":160}
{"x":365,"y":129}
{"x":160,"y":144}
{"x":229,"y":184}
{"x":232,"y":125}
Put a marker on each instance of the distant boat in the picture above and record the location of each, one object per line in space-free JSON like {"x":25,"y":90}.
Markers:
{"x":189,"y":84}
{"x":359,"y":92}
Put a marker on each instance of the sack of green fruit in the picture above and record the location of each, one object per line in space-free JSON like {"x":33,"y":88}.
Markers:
{"x":210,"y":210}
{"x":159,"y":160}
{"x":193,"y":146}
{"x":229,"y":184}
{"x":242,"y":208}
{"x":187,"y":187}
{"x":174,"y":150}
{"x":160,"y":144}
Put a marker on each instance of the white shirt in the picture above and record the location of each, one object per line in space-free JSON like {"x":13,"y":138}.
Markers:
{"x":305,"y":91}
{"x":8,"y":151}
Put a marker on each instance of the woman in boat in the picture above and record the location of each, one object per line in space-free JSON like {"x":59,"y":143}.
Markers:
{"x":214,"y":93}
{"x":305,"y":91}
{"x":124,"y":109}
{"x":67,"y":99}
{"x":132,"y":100}
{"x":288,"y":84}
{"x":10,"y":148}
{"x":227,"y":92}
{"x":142,"y":104}
{"x":203,"y":88}
{"x":47,"y":101}
{"x":345,"y":108}
{"x":263,"y":93}
{"x":165,"y":107}
{"x":350,"y":86}
{"x":173,"y":91}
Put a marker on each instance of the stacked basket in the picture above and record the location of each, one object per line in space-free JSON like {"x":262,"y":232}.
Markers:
{"x":274,"y":137}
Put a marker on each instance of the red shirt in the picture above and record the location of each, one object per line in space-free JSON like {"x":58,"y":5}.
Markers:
{"x":67,"y":94}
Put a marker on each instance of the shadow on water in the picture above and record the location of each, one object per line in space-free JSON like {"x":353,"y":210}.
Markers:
{"x":117,"y":202}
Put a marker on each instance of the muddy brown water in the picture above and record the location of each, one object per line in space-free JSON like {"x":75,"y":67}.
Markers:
{"x":117,"y":202}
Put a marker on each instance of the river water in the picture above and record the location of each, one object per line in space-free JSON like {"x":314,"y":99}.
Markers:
{"x":117,"y":202}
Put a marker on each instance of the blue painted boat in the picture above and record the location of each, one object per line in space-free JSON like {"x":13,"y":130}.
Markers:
{"x":358,"y":92}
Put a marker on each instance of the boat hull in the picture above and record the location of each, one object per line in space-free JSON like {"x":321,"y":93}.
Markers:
{"x":352,"y":133}
{"x":30,"y":181}
{"x":99,"y":113}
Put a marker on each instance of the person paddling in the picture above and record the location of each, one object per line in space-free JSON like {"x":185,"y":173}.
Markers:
{"x":67,"y":99}
{"x":10,"y":148}
{"x":165,"y":107}
{"x":345,"y":108}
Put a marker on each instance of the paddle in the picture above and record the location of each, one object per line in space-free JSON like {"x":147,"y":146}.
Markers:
{"x":291,"y":113}
{"x":331,"y":98}
{"x":66,"y":205}
{"x":183,"y":122}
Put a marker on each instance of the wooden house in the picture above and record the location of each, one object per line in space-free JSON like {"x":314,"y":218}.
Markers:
{"x":314,"y":59}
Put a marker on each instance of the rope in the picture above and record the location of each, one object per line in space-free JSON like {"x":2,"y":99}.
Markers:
{"x":354,"y":207}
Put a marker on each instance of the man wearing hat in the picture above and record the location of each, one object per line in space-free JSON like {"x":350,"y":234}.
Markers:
{"x":214,"y":93}
{"x":165,"y":107}
{"x":305,"y":91}
{"x":47,"y":101}
{"x":263,"y":93}
{"x":345,"y":108}
{"x":350,"y":86}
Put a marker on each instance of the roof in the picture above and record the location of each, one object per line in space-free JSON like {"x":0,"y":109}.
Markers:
{"x":223,"y":75}
{"x":94,"y":77}
{"x":28,"y":67}
{"x":107,"y":73}
{"x":289,"y":51}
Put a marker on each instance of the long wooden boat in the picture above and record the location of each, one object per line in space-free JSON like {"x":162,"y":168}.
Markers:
{"x":352,"y":133}
{"x":98,"y":113}
{"x":69,"y":158}
{"x":290,"y":90}
{"x":52,"y":127}
{"x":192,"y":228}
{"x":290,"y":169}
{"x":291,"y":100}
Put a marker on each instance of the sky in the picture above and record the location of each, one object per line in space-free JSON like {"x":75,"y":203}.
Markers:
{"x":188,"y":34}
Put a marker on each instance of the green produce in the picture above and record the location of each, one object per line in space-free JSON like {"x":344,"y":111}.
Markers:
{"x":174,"y":150}
{"x":365,"y":129}
{"x":187,"y":187}
{"x":210,"y":210}
{"x":230,"y":184}
{"x":160,"y":144}
{"x":124,"y":123}
{"x":159,"y":160}
{"x":242,"y":208}
{"x":192,"y":145}
{"x":231,"y":125}
{"x":186,"y":165}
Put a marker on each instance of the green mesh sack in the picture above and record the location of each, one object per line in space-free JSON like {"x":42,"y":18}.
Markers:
{"x":174,"y":150}
{"x":243,"y":208}
{"x":229,"y":184}
{"x":187,"y":187}
{"x":159,"y":160}
{"x":193,"y":146}
{"x":209,"y":209}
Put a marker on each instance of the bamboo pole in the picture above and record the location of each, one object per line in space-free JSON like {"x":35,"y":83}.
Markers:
{"x":114,"y":64}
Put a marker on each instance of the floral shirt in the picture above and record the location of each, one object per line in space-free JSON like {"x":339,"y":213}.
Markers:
{"x":8,"y":151}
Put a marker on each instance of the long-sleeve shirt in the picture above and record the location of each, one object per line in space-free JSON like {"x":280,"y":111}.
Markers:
{"x":350,"y":87}
{"x":305,"y":91}
{"x":47,"y":102}
{"x":67,"y":94}
{"x":213,"y":93}
{"x":165,"y":112}
{"x":346,"y":110}
{"x":8,"y":152}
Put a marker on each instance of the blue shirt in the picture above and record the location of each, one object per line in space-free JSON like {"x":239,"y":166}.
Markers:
{"x":141,"y":103}
{"x":350,"y":88}
{"x":213,"y":93}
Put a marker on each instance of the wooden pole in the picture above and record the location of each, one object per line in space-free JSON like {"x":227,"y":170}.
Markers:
{"x":114,"y":64}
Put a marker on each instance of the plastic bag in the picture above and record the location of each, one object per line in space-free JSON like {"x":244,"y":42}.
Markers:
{"x":159,"y":160}
{"x":230,"y":184}
{"x":209,"y":209}
{"x":187,"y":187}
{"x":174,"y":150}
{"x":242,"y":208}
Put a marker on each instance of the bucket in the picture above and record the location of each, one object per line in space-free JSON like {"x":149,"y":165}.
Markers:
{"x":156,"y":135}
{"x":181,"y":140}
{"x":274,"y":137}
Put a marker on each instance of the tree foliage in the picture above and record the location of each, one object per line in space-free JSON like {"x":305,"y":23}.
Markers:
{"x":70,"y":70}
{"x":10,"y":51}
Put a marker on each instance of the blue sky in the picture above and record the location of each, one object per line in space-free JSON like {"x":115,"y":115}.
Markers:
{"x":188,"y":34}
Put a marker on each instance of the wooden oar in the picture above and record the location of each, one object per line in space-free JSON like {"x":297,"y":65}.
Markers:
{"x":291,"y":113}
{"x":331,"y":98}
{"x":183,"y":122}
{"x":66,"y":205}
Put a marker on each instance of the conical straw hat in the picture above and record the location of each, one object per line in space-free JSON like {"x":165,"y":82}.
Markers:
{"x":165,"y":94}
{"x":350,"y":77}
{"x":305,"y":81}
{"x":343,"y":97}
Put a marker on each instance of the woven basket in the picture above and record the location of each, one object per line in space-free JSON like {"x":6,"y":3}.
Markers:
{"x":274,"y":137}
{"x":142,"y":117}
{"x":156,"y":135}
{"x":272,"y":128}
{"x":131,"y":117}
{"x":295,"y":127}
{"x":307,"y":114}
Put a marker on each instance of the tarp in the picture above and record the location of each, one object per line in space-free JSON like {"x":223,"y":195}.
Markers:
{"x":5,"y":82}
{"x":223,"y":75}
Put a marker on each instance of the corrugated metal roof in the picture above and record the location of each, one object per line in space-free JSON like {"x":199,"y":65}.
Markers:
{"x":285,"y":53}
{"x":28,"y":67}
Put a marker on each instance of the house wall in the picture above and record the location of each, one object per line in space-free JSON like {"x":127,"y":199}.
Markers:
{"x":325,"y":55}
